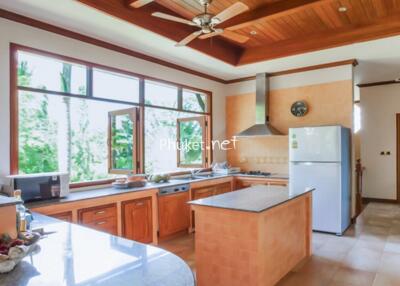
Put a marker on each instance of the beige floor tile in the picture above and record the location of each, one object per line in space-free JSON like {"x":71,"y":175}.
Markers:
{"x":362,"y":258}
{"x":390,"y":264}
{"x":386,"y":280}
{"x":349,"y":276}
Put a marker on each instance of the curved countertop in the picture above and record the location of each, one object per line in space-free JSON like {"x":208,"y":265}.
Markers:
{"x":71,"y":254}
{"x":253,"y":199}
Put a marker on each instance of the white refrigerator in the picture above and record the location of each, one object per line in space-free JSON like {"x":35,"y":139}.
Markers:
{"x":319,"y":157}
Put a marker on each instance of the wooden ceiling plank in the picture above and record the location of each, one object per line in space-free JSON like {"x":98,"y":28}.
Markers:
{"x":381,"y":27}
{"x":275,"y":9}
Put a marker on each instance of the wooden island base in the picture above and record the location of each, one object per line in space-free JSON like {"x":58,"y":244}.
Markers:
{"x":236,"y":247}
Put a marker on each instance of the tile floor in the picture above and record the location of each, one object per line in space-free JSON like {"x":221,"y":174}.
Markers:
{"x":367,"y":255}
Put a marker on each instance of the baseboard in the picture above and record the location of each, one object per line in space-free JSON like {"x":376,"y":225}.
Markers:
{"x":375,"y":200}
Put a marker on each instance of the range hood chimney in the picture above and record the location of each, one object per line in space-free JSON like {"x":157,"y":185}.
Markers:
{"x":262,"y":126}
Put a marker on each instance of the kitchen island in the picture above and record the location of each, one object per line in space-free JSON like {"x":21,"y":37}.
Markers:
{"x":71,"y":254}
{"x":253,"y":236}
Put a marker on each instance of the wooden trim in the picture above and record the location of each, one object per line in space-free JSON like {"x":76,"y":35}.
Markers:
{"x":96,"y":42}
{"x":134,"y":116}
{"x":202,"y":122}
{"x":398,"y":157}
{"x":374,"y":200}
{"x":14,"y":156}
{"x":378,"y":83}
{"x":352,"y":62}
{"x":91,"y":184}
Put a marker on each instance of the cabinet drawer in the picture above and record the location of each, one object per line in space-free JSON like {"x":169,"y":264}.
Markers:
{"x":65,"y":216}
{"x":203,"y":192}
{"x":108,"y":225}
{"x":93,"y":214}
{"x":223,"y":188}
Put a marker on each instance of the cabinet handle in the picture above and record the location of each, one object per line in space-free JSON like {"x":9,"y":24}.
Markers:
{"x":140,"y":204}
{"x":100,"y":212}
{"x":100,"y":222}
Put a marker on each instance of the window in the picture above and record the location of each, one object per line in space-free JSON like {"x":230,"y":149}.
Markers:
{"x":192,"y":142}
{"x":44,"y":73}
{"x":122,"y":132}
{"x":159,"y":94}
{"x":98,"y":123}
{"x":194,"y":101}
{"x":115,"y":86}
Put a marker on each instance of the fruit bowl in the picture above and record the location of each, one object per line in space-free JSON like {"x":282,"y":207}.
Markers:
{"x":12,"y":251}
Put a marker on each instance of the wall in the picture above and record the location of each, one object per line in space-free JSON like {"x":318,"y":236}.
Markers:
{"x":28,"y":36}
{"x":379,"y":105}
{"x":329,"y":94}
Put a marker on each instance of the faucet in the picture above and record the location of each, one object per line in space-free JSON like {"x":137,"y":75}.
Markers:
{"x":194,"y":172}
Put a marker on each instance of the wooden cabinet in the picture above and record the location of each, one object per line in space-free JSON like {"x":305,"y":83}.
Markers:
{"x":137,"y":220}
{"x":245,"y":182}
{"x":65,"y":216}
{"x":223,"y":188}
{"x":173,"y":214}
{"x":204,"y":192}
{"x":103,"y":218}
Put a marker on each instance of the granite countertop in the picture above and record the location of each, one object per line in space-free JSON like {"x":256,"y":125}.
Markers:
{"x":71,"y":254}
{"x":253,"y":199}
{"x":7,"y":201}
{"x":110,"y":191}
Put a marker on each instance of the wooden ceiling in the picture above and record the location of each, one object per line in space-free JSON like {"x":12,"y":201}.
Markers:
{"x":276,"y":28}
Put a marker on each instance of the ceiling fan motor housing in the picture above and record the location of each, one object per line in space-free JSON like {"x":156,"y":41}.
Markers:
{"x":206,"y":22}
{"x":205,"y":2}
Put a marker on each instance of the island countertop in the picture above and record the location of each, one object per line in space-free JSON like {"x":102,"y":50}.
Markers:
{"x":253,"y":199}
{"x":71,"y":254}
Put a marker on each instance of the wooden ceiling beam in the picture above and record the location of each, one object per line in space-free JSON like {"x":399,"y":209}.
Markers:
{"x":270,"y":10}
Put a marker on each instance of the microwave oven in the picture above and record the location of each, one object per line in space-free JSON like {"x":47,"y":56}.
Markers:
{"x":43,"y":186}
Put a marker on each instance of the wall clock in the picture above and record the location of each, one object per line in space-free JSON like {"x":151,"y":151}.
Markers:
{"x":299,"y":108}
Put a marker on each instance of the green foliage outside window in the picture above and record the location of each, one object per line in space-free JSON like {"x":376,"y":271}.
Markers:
{"x":191,"y":142}
{"x":122,"y":142}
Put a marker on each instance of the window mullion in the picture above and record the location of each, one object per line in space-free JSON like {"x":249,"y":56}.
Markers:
{"x":89,"y":82}
{"x":180,"y":99}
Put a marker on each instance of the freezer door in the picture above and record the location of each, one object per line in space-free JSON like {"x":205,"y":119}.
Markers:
{"x":315,"y":144}
{"x":325,"y":178}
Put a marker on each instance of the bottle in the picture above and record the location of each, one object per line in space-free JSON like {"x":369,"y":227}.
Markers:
{"x":21,"y":212}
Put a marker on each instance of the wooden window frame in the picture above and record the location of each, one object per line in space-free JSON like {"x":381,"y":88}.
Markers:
{"x":134,"y":115}
{"x":205,"y":152}
{"x":14,"y":89}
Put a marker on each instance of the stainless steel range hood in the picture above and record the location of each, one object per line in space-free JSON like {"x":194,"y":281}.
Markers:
{"x":262,"y":127}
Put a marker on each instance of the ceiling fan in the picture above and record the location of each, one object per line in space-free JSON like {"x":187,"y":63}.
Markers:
{"x":206,"y":22}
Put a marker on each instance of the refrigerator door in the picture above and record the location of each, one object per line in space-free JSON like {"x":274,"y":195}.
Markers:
{"x":326,"y":179}
{"x":315,"y":144}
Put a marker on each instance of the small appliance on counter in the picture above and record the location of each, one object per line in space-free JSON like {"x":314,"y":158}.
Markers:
{"x":42,"y":186}
{"x":224,"y":168}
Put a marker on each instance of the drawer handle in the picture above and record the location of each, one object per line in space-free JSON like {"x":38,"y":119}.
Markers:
{"x":100,"y":222}
{"x":100,"y":212}
{"x":140,"y":204}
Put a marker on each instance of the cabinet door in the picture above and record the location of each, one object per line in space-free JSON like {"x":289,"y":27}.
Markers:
{"x":205,"y":192}
{"x":174,"y":213}
{"x":223,"y":188}
{"x":137,"y":220}
{"x":65,"y":216}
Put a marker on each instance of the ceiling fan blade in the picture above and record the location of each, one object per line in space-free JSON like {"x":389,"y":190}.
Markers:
{"x":173,"y":18}
{"x":231,"y":11}
{"x":189,"y":38}
{"x":140,"y":3}
{"x":235,"y":36}
{"x":215,"y":33}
